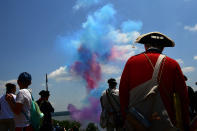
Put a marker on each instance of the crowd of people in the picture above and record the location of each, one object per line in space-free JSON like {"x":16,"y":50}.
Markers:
{"x":15,"y":110}
{"x":152,"y":96}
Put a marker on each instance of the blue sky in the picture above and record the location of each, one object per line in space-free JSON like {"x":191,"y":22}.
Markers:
{"x":42,"y":37}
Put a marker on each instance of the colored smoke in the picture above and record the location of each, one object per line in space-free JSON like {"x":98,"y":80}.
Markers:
{"x":92,"y":46}
{"x":88,"y":67}
{"x":87,"y":114}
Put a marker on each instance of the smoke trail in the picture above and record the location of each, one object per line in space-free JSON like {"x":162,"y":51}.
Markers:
{"x":88,"y":67}
{"x":87,"y":114}
{"x":94,"y":46}
{"x":96,"y":43}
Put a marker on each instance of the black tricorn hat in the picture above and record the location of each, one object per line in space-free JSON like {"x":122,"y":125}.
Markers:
{"x":44,"y":93}
{"x":155,"y":38}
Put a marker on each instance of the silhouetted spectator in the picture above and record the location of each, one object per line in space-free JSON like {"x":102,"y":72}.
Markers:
{"x":191,"y":95}
{"x":195,"y":103}
{"x":6,"y":114}
{"x":47,"y":109}
{"x":23,"y":103}
{"x":75,"y":128}
{"x":110,"y":104}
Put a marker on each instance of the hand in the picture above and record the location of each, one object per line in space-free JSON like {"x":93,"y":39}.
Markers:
{"x":9,"y":98}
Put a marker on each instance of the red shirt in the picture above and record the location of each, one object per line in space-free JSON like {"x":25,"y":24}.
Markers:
{"x":139,"y":70}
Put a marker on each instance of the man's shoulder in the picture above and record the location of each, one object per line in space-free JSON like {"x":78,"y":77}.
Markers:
{"x":171,"y":61}
{"x":24,"y":92}
{"x":135,"y":58}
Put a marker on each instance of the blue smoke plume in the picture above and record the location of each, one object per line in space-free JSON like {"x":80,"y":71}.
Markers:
{"x":129,"y":26}
{"x":92,"y":46}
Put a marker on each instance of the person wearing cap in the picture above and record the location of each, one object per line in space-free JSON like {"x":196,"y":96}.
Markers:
{"x":110,"y":104}
{"x":6,"y":114}
{"x":42,"y":97}
{"x":139,"y":69}
{"x":23,"y":102}
{"x":47,"y":109}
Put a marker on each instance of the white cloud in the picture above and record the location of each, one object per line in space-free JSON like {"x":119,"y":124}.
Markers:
{"x":85,"y":3}
{"x":195,"y":57}
{"x":44,"y":85}
{"x":188,"y":69}
{"x":58,"y":73}
{"x":118,"y":79}
{"x":2,"y":83}
{"x":123,"y":52}
{"x":109,"y":69}
{"x":180,"y":61}
{"x":122,"y":38}
{"x":61,"y":74}
{"x":190,"y":28}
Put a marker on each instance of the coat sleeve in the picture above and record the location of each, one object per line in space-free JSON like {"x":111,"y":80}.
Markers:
{"x":124,"y":90}
{"x":181,"y":89}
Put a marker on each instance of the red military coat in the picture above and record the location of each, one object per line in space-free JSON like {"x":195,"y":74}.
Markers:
{"x":139,"y":70}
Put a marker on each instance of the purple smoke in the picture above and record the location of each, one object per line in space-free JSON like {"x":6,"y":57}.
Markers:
{"x":91,"y":113}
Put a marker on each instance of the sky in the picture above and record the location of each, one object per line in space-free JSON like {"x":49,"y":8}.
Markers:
{"x":82,"y":43}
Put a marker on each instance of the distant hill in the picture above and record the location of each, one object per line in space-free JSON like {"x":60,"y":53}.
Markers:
{"x":61,"y":113}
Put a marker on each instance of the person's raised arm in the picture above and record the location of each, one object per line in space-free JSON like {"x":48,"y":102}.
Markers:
{"x":16,"y":107}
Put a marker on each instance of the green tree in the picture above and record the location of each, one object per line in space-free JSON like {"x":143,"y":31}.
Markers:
{"x":67,"y":124}
{"x":91,"y":127}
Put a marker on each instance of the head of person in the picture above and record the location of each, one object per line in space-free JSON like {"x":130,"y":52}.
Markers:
{"x":155,"y":40}
{"x":10,"y":88}
{"x":112,"y":83}
{"x":24,"y":80}
{"x":44,"y":95}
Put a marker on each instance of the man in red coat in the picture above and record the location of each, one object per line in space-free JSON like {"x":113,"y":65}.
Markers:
{"x":138,"y":70}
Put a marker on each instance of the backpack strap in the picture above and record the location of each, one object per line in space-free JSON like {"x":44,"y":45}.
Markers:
{"x":157,"y":68}
{"x":117,"y":103}
{"x":107,"y":94}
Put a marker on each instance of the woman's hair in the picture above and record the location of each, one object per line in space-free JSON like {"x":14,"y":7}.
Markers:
{"x":10,"y":87}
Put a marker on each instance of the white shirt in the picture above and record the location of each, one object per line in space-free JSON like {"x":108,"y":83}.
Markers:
{"x":114,"y":98}
{"x":23,"y":97}
{"x":5,"y":110}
